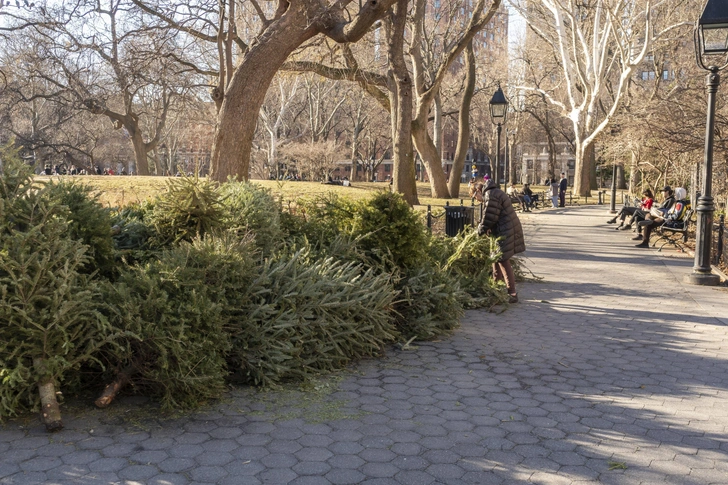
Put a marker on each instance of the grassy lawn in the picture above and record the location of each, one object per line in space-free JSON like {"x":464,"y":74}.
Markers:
{"x":118,"y":191}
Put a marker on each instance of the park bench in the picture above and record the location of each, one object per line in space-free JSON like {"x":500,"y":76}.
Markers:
{"x":674,"y":235}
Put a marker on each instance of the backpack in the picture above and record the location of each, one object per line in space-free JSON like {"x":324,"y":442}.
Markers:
{"x":677,"y":213}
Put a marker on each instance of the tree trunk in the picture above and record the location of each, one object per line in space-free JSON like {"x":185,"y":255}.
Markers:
{"x":590,"y":163}
{"x":401,"y":102}
{"x":140,"y":150}
{"x":430,"y":157}
{"x":582,"y":173}
{"x":50,"y":411}
{"x":552,"y":155}
{"x":463,"y":123}
{"x":634,"y":174}
{"x":512,"y":166}
{"x":246,"y":91}
{"x":437,"y":127}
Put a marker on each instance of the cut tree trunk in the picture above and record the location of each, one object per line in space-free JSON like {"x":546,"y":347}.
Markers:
{"x":50,"y":411}
{"x":113,"y":389}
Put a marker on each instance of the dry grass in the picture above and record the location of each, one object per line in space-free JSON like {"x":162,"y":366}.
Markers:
{"x":118,"y":191}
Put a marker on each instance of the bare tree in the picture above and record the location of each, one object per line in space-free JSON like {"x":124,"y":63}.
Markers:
{"x":317,"y":160}
{"x":594,"y":43}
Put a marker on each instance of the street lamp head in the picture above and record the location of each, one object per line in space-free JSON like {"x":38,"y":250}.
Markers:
{"x":498,"y":107}
{"x":711,"y":33}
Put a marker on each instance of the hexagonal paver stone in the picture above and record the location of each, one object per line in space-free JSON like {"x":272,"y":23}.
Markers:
{"x":210,"y":458}
{"x":445,"y":472}
{"x":345,"y":461}
{"x":283,"y":446}
{"x":277,"y":475}
{"x":177,"y":465}
{"x":94,"y":443}
{"x":149,"y":457}
{"x":168,"y":479}
{"x":315,"y":440}
{"x":139,"y":473}
{"x":310,"y":481}
{"x":342,"y":476}
{"x":379,"y":470}
{"x":345,"y":447}
{"x":414,"y":477}
{"x":279,"y":460}
{"x":208,"y":473}
{"x":40,"y":464}
{"x":70,"y":473}
{"x":26,"y":478}
{"x":312,"y":468}
{"x":192,"y":438}
{"x":377,"y":455}
{"x":108,"y":464}
{"x":314,"y":454}
{"x":225,"y":433}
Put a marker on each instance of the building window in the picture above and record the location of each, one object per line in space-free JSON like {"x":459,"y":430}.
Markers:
{"x":571,"y":164}
{"x":387,"y":167}
{"x":666,"y":74}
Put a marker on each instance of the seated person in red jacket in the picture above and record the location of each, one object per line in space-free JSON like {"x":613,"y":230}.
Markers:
{"x":645,"y":205}
{"x":662,"y":209}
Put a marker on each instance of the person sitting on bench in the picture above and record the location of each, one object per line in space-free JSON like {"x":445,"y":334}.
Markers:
{"x":528,"y":196}
{"x":656,"y":218}
{"x":645,"y":205}
{"x":641,"y":216}
{"x":517,"y":197}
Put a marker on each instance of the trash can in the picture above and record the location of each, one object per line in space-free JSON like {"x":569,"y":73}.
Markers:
{"x":456,"y":217}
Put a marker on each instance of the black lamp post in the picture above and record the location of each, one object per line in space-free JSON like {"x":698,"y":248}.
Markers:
{"x":498,"y":110}
{"x":613,"y":200}
{"x":711,"y":41}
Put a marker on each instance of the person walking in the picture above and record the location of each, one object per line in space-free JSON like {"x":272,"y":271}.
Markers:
{"x":554,"y":192}
{"x":562,"y":190}
{"x":499,"y":219}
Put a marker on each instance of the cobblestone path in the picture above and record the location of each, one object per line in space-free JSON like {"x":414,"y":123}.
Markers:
{"x":608,"y":371}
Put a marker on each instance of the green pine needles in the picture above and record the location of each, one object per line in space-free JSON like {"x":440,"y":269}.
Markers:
{"x":212,"y":285}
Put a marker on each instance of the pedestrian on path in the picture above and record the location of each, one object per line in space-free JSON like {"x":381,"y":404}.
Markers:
{"x":500,"y":220}
{"x":562,"y":190}
{"x":554,"y":192}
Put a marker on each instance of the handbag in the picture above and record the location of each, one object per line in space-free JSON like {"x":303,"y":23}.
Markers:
{"x":657,"y":212}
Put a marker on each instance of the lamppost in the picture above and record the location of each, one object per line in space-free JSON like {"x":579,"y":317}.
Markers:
{"x":711,"y":39}
{"x":613,"y":201}
{"x":498,"y":110}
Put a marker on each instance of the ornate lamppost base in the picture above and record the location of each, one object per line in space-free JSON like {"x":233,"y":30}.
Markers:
{"x":702,"y":279}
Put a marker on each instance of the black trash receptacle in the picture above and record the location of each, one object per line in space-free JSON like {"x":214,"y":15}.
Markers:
{"x":456,"y":217}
